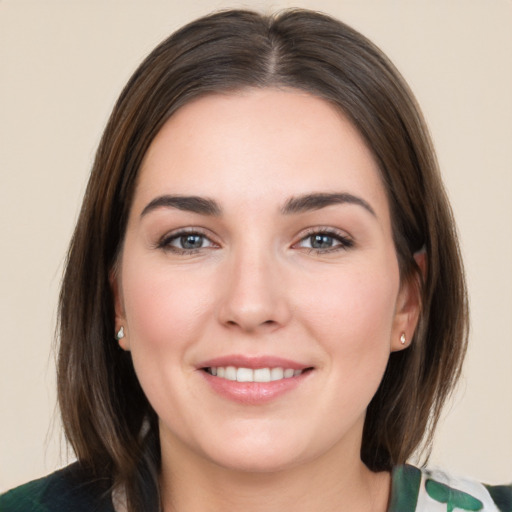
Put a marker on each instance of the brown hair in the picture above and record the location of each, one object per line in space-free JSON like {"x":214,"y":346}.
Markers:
{"x":107,"y":419}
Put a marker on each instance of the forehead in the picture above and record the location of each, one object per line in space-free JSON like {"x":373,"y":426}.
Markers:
{"x":259,"y":145}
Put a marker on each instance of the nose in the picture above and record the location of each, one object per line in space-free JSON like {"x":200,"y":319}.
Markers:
{"x":253,"y":294}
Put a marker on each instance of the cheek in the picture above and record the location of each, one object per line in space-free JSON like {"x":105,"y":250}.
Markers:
{"x":353,"y":317}
{"x":361,"y":301}
{"x":165,"y":314}
{"x":162,"y":307}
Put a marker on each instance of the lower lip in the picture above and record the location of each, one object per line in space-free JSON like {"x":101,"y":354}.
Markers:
{"x":253,"y":393}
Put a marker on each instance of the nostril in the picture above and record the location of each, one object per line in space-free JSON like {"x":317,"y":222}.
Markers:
{"x":269,"y":323}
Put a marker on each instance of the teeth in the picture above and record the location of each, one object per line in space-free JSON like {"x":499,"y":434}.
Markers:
{"x":250,"y":375}
{"x":276,"y":374}
{"x":230,"y":373}
{"x":245,"y":375}
{"x":262,"y":375}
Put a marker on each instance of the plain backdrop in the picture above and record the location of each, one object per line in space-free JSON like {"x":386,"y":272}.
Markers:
{"x":62,"y":65}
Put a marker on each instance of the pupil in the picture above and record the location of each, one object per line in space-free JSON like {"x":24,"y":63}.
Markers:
{"x":321,"y":241}
{"x":191,"y":241}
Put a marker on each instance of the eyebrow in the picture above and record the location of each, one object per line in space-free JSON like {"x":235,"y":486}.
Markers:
{"x":317,"y":201}
{"x":195,"y":204}
{"x":294,"y":205}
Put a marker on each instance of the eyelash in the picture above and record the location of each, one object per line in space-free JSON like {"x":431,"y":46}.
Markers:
{"x":166,"y":241}
{"x":344,"y":242}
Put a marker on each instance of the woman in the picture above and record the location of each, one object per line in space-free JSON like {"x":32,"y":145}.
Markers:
{"x":263,"y":304}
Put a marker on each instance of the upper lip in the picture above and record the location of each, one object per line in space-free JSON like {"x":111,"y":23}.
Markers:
{"x":253,"y":362}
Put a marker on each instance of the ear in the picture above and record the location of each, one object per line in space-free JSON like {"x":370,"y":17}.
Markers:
{"x":120,"y":317}
{"x":408,"y":306}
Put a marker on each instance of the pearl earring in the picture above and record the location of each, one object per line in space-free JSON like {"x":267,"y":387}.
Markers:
{"x":402,"y":338}
{"x":120,"y":334}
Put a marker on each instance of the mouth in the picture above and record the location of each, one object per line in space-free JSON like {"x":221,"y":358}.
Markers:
{"x":265,"y":374}
{"x":254,"y":380}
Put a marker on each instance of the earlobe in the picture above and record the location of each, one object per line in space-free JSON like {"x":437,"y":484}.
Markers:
{"x":120,"y":333}
{"x":121,"y":338}
{"x":406,"y":317}
{"x":408,"y":307}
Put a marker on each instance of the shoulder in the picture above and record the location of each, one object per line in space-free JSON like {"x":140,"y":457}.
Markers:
{"x":422,"y":490}
{"x":65,"y":490}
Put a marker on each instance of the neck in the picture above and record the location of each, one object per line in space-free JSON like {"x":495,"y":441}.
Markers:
{"x":321,"y":485}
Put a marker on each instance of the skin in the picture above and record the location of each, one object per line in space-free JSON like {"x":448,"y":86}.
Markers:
{"x":256,"y":286}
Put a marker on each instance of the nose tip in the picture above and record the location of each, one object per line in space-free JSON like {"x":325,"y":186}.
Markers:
{"x":254,"y":298}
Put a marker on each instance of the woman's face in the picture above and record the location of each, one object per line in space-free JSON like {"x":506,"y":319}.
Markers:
{"x":258,"y":285}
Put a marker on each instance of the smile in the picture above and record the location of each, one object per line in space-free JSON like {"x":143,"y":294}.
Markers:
{"x":252,"y":375}
{"x":254,"y":380}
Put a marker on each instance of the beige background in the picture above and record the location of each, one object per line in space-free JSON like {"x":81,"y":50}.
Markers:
{"x":62,"y":65}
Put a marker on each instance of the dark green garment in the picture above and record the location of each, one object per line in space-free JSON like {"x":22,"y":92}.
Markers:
{"x":67,"y":490}
{"x":412,"y":490}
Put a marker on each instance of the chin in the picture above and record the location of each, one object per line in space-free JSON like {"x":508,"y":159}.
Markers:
{"x":259,"y":453}
{"x":251,"y":463}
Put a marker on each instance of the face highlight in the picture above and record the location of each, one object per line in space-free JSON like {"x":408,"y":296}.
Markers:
{"x":258,"y":285}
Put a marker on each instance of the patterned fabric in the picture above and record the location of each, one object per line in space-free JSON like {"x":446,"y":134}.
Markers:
{"x":415,"y":490}
{"x":412,"y":490}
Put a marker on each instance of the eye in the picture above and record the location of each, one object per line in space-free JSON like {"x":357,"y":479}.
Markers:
{"x":186,"y":242}
{"x":322,"y":241}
